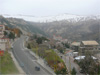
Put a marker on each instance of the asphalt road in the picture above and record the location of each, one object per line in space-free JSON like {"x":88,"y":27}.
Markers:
{"x":26,"y":60}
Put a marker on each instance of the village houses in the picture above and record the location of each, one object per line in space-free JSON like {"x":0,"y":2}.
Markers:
{"x":4,"y":42}
{"x":88,"y":46}
{"x":75,"y":46}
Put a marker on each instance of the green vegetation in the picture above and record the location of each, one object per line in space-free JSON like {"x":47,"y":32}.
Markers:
{"x":5,"y":33}
{"x":7,"y":66}
{"x":11,"y":32}
{"x":12,"y":35}
{"x":61,"y":51}
{"x":89,"y":65}
{"x":50,"y":57}
{"x":35,"y":36}
{"x":73,"y":72}
{"x":39,"y":40}
{"x":29,"y":47}
{"x":66,"y":45}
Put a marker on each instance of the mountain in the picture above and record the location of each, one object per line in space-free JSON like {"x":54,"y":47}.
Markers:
{"x":75,"y":31}
{"x":72,"y":27}
{"x":21,"y":24}
{"x":68,"y":17}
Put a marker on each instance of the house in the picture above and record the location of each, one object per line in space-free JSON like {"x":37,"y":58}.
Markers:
{"x":75,"y":46}
{"x":59,"y":44}
{"x":58,"y":38}
{"x":88,"y":46}
{"x":4,"y":44}
{"x":64,"y":40}
{"x":75,"y":54}
{"x":69,"y":53}
{"x":2,"y":29}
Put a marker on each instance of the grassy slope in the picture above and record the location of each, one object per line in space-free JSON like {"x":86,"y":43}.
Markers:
{"x":7,"y":66}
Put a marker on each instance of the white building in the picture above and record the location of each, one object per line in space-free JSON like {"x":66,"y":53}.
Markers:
{"x":4,"y":42}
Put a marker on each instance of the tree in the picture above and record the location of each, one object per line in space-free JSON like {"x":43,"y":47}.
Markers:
{"x":61,"y":72}
{"x":29,"y":47}
{"x":44,"y":38}
{"x":73,"y":72}
{"x":5,"y":33}
{"x":35,"y":36}
{"x":89,"y":65}
{"x":12,"y":35}
{"x":17,"y":31}
{"x":39,"y":40}
{"x":61,"y":51}
{"x":67,"y":45}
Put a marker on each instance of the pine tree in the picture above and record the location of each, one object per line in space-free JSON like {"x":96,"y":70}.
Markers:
{"x":29,"y":47}
{"x":73,"y":72}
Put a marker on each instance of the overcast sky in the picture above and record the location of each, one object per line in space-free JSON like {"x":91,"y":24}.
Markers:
{"x":50,"y":7}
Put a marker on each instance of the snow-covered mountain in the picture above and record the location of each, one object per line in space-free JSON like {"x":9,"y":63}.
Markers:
{"x":68,"y":17}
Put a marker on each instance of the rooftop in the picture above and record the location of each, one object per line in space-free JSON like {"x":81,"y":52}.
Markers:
{"x":82,"y":57}
{"x":76,"y":44}
{"x":90,"y":43}
{"x":1,"y":25}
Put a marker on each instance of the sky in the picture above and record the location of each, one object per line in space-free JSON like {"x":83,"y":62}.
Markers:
{"x":50,"y":7}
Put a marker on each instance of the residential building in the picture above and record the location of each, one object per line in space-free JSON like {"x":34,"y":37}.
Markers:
{"x":75,"y":46}
{"x":2,"y":29}
{"x":75,"y":54}
{"x":58,"y":38}
{"x":88,"y":46}
{"x":59,"y":44}
{"x":4,"y":42}
{"x":69,"y":53}
{"x":64,"y":40}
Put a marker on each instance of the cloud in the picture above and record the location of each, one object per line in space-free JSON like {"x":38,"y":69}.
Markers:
{"x":50,"y":7}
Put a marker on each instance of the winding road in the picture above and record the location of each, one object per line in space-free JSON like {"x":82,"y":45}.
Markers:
{"x":26,"y":60}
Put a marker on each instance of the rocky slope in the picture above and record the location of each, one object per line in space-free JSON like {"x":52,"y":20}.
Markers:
{"x":21,"y":24}
{"x":72,"y":27}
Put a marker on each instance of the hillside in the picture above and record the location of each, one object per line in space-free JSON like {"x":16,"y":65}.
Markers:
{"x":72,"y":27}
{"x":21,"y":24}
{"x":76,"y":31}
